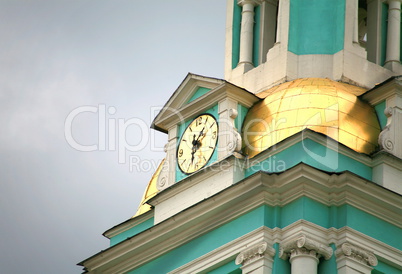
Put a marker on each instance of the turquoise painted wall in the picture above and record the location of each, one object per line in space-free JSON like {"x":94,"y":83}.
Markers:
{"x":328,"y":266}
{"x":372,"y":226}
{"x":132,"y":231}
{"x":383,"y":268}
{"x":280,"y":266}
{"x":205,"y":243}
{"x":213,"y":111}
{"x":236,"y":34}
{"x":316,"y":26}
{"x":302,"y":208}
{"x":313,"y":154}
{"x":379,"y":109}
{"x":198,"y":93}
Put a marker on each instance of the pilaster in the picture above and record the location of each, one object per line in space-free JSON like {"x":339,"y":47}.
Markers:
{"x":352,"y":259}
{"x":256,"y":259}
{"x":389,"y":92}
{"x":229,"y":139}
{"x":167,"y":177}
{"x":389,"y":139}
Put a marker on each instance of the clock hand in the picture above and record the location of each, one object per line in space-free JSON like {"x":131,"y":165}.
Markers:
{"x":194,"y":142}
{"x":193,"y":150}
{"x":201,"y":133}
{"x":192,"y":156}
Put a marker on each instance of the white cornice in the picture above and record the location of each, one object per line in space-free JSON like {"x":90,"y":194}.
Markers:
{"x":130,"y":223}
{"x":334,"y":236}
{"x":388,"y":88}
{"x":239,"y":199}
{"x":384,"y":157}
{"x":183,"y":93}
{"x":192,"y":180}
{"x":176,"y":110}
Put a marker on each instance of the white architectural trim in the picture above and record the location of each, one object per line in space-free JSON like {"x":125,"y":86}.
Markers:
{"x":257,"y":258}
{"x":392,"y":60}
{"x":357,"y":253}
{"x":307,"y":242}
{"x":181,"y":96}
{"x":250,"y":193}
{"x":227,"y":252}
{"x":354,"y":259}
{"x":389,"y":89}
{"x":130,"y":223}
{"x":247,"y":33}
{"x":321,"y":235}
{"x":389,"y":138}
{"x":175,"y":115}
{"x":383,"y":252}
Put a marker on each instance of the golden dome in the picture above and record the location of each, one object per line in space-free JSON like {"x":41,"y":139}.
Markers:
{"x":150,"y":191}
{"x":322,"y":105}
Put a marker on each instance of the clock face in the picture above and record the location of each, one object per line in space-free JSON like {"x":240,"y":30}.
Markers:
{"x":197,"y":143}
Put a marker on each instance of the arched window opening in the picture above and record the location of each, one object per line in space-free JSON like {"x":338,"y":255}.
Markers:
{"x":362,"y":23}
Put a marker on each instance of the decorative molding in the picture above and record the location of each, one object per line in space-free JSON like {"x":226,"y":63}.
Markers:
{"x":235,"y":141}
{"x":389,"y":138}
{"x":253,"y":2}
{"x":130,"y":223}
{"x":254,"y":253}
{"x":296,"y":252}
{"x":246,"y":195}
{"x":226,"y":252}
{"x":163,"y":180}
{"x":385,"y":90}
{"x":180,"y":98}
{"x":175,"y":110}
{"x":304,"y":245}
{"x":357,"y":253}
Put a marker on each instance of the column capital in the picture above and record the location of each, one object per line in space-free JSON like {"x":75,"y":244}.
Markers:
{"x":304,"y":244}
{"x":304,"y":252}
{"x":253,"y":2}
{"x":389,"y":1}
{"x":254,"y":253}
{"x":357,"y":254}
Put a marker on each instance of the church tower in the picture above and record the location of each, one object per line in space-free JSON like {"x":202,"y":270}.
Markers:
{"x":292,"y":163}
{"x":353,"y":41}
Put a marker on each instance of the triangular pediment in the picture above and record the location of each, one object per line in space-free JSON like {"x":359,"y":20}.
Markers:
{"x":197,"y":93}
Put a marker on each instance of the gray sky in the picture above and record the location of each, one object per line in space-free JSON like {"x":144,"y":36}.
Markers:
{"x":57,"y":56}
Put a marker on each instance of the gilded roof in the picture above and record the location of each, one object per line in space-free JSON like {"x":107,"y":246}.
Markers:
{"x":322,"y":105}
{"x":150,"y":191}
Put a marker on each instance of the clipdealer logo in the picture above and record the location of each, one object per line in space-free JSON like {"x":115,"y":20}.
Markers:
{"x":112,"y":133}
